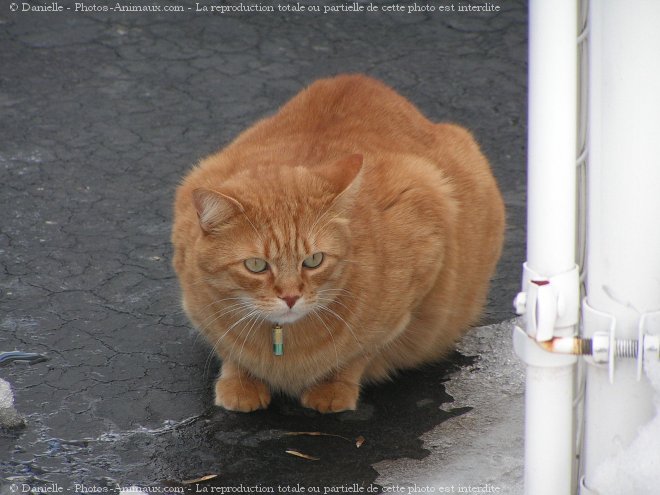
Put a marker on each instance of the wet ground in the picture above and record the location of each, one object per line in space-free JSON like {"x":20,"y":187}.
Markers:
{"x":100,"y":116}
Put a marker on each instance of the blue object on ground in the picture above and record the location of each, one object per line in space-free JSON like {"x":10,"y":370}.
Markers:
{"x":30,"y":357}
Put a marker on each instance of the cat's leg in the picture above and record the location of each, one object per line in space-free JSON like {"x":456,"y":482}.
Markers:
{"x":236,"y":390}
{"x":338,"y":393}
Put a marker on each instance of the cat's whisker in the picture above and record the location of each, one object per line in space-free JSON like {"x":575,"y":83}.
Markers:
{"x":223,"y":311}
{"x":231,"y":327}
{"x":335,"y":314}
{"x":216,"y":301}
{"x":203,"y":325}
{"x":203,"y":331}
{"x":233,"y":345}
{"x":258,"y":321}
{"x":318,"y":317}
{"x":254,"y":316}
{"x":243,"y":318}
{"x":336,"y":300}
{"x":325,"y":299}
{"x":335,"y":294}
{"x":209,"y":357}
{"x":234,"y":308}
{"x":335,"y":289}
{"x":230,"y":359}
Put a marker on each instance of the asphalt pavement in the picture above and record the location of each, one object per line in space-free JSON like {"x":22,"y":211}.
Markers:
{"x":101,"y":114}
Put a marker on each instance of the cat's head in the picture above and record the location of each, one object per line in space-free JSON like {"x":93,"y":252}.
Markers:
{"x":275,"y":240}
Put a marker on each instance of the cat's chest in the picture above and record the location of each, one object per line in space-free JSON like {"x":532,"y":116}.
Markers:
{"x":293,"y":361}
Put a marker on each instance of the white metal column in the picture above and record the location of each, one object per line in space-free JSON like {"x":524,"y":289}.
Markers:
{"x":623,"y":226}
{"x":551,"y":225}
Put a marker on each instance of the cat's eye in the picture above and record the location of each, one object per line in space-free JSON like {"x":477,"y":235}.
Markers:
{"x":256,"y":265}
{"x":313,"y":261}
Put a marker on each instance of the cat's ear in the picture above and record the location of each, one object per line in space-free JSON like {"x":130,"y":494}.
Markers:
{"x":344,"y":175}
{"x":214,"y":208}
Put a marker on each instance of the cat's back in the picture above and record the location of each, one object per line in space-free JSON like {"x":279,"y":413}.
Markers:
{"x":353,"y":110}
{"x":356,"y":113}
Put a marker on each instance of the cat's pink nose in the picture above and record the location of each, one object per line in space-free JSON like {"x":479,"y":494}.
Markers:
{"x":290,"y":300}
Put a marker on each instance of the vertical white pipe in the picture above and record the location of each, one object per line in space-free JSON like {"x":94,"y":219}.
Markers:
{"x":623,"y":235}
{"x":552,"y":135}
{"x":551,"y":222}
{"x":549,"y":438}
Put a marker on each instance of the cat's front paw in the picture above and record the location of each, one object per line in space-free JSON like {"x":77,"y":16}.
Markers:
{"x":241,"y":394}
{"x":331,"y":397}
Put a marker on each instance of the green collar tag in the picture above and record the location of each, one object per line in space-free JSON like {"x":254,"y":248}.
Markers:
{"x":278,"y":340}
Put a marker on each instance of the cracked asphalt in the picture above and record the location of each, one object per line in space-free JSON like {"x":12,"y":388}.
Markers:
{"x":101,"y":114}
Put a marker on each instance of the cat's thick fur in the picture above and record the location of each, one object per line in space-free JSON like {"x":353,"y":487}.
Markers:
{"x":406,"y":213}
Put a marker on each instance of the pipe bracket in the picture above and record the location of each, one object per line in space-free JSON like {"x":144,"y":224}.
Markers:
{"x":548,"y":302}
{"x":606,"y":348}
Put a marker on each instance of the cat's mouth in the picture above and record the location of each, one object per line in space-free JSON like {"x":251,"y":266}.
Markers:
{"x":285,"y":310}
{"x":280,"y":312}
{"x":288,"y":316}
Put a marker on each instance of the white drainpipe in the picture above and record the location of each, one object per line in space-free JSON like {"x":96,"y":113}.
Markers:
{"x":623,"y":223}
{"x":550,"y":296}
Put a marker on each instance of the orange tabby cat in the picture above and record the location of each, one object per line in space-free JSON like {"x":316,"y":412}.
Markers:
{"x":366,"y":232}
